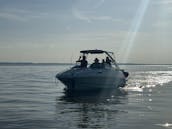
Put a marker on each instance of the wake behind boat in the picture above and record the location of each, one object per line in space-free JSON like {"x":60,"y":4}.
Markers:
{"x":97,"y":76}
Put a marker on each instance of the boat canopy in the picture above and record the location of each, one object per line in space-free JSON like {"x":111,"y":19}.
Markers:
{"x":94,"y":51}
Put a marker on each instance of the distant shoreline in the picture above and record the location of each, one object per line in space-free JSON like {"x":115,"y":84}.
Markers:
{"x":35,"y":64}
{"x":30,"y":63}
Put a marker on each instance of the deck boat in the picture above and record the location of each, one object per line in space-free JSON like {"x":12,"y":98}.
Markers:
{"x":96,"y":76}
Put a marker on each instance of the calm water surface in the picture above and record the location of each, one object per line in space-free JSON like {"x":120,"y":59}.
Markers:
{"x":31,"y":98}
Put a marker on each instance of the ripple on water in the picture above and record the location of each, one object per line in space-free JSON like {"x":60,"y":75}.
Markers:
{"x":29,"y":98}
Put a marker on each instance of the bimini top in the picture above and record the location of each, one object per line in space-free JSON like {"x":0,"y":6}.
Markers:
{"x":93,"y":51}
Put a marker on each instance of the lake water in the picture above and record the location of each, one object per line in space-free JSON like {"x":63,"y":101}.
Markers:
{"x":31,"y":98}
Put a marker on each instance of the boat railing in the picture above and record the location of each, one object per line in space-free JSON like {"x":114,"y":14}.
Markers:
{"x":113,"y":60}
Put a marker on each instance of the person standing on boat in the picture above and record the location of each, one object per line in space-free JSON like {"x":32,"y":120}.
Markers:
{"x":84,"y":62}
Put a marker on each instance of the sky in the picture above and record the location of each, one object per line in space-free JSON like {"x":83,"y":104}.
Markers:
{"x":137,"y":31}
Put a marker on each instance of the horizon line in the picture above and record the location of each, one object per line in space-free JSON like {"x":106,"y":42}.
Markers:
{"x":62,"y":63}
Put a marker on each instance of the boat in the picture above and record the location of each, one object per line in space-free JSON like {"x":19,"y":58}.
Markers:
{"x":96,"y":76}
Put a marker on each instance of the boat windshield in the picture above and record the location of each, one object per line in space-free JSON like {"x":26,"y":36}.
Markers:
{"x":105,"y":61}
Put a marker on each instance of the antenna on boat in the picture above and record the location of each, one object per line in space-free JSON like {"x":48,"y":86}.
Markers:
{"x":71,"y":58}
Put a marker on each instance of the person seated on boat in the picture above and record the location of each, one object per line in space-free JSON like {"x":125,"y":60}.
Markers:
{"x":84,"y":62}
{"x":108,"y":61}
{"x":96,"y":64}
{"x":103,"y":63}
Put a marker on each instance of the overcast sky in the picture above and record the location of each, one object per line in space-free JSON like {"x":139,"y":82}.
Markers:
{"x":138,"y":31}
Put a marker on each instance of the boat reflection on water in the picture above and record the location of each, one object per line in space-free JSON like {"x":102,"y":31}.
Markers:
{"x":93,"y":96}
{"x":91,"y":109}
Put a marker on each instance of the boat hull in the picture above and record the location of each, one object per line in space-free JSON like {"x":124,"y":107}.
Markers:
{"x":92,"y":79}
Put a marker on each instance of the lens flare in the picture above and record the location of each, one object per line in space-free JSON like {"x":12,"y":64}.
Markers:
{"x":131,"y":36}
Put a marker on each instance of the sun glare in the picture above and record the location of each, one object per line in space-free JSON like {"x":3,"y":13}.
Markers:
{"x":131,"y":36}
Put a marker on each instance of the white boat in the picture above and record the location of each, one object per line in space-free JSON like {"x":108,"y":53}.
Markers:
{"x":97,"y":76}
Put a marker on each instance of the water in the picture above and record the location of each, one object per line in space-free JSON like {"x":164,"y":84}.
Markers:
{"x":31,"y":98}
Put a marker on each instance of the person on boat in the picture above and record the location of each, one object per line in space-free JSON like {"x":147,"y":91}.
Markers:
{"x":96,"y":64}
{"x":103,"y":63}
{"x":96,"y":61}
{"x":108,"y":61}
{"x":84,"y":62}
